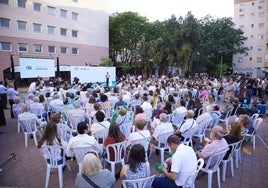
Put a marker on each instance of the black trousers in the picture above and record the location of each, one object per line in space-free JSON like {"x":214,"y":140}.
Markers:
{"x":11,"y":102}
{"x":3,"y":96}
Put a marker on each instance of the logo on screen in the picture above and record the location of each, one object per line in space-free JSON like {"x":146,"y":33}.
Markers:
{"x":29,"y":67}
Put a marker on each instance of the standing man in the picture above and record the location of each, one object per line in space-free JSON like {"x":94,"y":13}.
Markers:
{"x":183,"y":163}
{"x":3,"y":94}
{"x":107,"y":76}
{"x":249,"y":86}
{"x":11,"y":93}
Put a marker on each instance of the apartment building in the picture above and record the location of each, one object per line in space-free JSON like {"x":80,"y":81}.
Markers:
{"x":73,"y":31}
{"x":252,"y":18}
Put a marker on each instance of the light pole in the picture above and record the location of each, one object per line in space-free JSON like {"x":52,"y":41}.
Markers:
{"x":221,"y":65}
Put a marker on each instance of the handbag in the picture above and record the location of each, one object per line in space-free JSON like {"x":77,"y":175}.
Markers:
{"x":90,"y":181}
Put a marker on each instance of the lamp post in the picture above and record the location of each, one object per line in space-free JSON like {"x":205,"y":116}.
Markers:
{"x":221,"y":65}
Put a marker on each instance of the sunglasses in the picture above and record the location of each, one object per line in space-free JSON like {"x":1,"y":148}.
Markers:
{"x":92,"y":152}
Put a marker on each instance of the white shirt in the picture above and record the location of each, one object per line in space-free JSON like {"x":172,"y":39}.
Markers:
{"x":187,"y":125}
{"x":82,"y":140}
{"x":139,"y":135}
{"x":146,"y":106}
{"x":164,"y":127}
{"x":99,"y":126}
{"x":184,"y":162}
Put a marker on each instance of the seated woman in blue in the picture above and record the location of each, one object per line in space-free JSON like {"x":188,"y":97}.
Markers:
{"x":137,"y":167}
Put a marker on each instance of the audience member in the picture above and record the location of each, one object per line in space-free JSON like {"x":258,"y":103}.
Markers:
{"x":182,"y":163}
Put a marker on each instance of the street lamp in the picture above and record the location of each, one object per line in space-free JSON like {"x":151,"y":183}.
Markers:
{"x":221,"y":65}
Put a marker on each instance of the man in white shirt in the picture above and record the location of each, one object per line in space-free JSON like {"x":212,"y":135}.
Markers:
{"x":182,"y":163}
{"x":56,"y":103}
{"x":82,"y":140}
{"x":26,"y":114}
{"x":187,"y":125}
{"x":163,"y":127}
{"x":179,"y":114}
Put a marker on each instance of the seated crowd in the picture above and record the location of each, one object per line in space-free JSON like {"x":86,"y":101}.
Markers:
{"x":137,"y":113}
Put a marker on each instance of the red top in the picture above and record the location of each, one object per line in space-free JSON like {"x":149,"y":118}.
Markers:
{"x":111,"y":140}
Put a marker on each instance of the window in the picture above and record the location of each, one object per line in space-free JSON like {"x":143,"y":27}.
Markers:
{"x":21,"y":25}
{"x":251,"y":36}
{"x":50,"y":29}
{"x":260,"y":36}
{"x":63,"y":31}
{"x":37,"y":48}
{"x":242,"y":7}
{"x":240,"y":59}
{"x":259,"y":59}
{"x":252,"y":14}
{"x":63,"y":13}
{"x":23,"y":47}
{"x":75,"y":51}
{"x":76,"y":1}
{"x":261,"y":25}
{"x":63,"y":50}
{"x":37,"y":27}
{"x":37,"y":7}
{"x":252,"y":25}
{"x":51,"y":10}
{"x":241,"y":27}
{"x":74,"y":16}
{"x":259,"y":48}
{"x":252,"y":3}
{"x":241,"y":17}
{"x":4,"y":22}
{"x":261,"y":14}
{"x":250,"y":59}
{"x":4,"y":1}
{"x":261,"y":4}
{"x":74,"y":33}
{"x":51,"y":49}
{"x":22,"y":3}
{"x":251,"y":48}
{"x":5,"y":46}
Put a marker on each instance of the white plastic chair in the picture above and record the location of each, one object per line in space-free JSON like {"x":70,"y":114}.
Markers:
{"x":119,"y":149}
{"x":126,"y":129}
{"x":252,"y":135}
{"x":188,"y":137}
{"x":202,"y":130}
{"x":109,"y":112}
{"x":79,"y":153}
{"x":38,"y":112}
{"x":238,"y":150}
{"x":29,"y":128}
{"x":145,"y":142}
{"x":217,"y":157}
{"x":227,"y":116}
{"x":148,"y":114}
{"x":162,"y":144}
{"x":232,"y":148}
{"x":74,"y":120}
{"x":55,"y":158}
{"x":101,"y":135}
{"x":16,"y":115}
{"x":65,"y":132}
{"x":189,"y":183}
{"x":139,"y":183}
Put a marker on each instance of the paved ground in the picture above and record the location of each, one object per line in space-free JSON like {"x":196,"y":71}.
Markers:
{"x":29,"y":168}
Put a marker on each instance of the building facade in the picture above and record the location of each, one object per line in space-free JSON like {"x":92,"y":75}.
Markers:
{"x":76,"y":32}
{"x":252,"y":18}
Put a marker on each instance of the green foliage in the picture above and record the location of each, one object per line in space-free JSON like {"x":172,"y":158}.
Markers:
{"x":191,"y":44}
{"x":106,"y":62}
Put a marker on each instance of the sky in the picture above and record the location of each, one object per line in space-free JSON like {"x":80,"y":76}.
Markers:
{"x":163,"y":9}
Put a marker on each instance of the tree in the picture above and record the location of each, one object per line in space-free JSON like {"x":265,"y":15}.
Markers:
{"x":126,"y":31}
